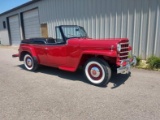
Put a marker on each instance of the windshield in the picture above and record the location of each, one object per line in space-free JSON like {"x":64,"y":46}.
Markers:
{"x":74,"y":32}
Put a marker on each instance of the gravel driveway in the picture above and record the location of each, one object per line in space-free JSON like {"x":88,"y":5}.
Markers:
{"x":52,"y":94}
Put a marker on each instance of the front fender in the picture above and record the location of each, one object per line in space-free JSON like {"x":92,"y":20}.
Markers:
{"x":80,"y":60}
{"x":96,"y":53}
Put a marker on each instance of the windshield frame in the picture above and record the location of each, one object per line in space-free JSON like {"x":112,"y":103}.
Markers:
{"x":81,"y":30}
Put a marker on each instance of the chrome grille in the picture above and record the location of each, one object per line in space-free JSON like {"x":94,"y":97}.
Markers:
{"x":123,"y":54}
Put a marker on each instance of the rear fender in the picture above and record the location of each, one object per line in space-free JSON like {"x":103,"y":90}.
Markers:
{"x":30,"y":50}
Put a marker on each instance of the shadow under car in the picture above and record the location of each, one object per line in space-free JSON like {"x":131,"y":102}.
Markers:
{"x":116,"y":79}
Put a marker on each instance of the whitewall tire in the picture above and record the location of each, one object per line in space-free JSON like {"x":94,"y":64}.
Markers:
{"x":97,"y":71}
{"x":29,"y":63}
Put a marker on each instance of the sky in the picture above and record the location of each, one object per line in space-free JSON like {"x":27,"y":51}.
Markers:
{"x":6,"y":5}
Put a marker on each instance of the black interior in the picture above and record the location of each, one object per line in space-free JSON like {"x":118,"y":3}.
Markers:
{"x":47,"y":41}
{"x":50,"y":40}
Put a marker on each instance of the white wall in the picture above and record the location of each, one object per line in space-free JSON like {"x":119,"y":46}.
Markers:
{"x":4,"y":37}
{"x":3,"y":32}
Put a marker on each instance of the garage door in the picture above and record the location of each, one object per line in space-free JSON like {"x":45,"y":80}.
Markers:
{"x":15,"y":30}
{"x":31,"y":24}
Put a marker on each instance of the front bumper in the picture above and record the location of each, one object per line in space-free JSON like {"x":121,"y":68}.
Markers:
{"x":126,"y":68}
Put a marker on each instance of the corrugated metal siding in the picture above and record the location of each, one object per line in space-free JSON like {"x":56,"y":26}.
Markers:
{"x":31,"y":23}
{"x":138,"y":20}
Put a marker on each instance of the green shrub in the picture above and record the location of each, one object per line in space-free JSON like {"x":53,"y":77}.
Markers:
{"x":138,"y":60}
{"x":154,"y":62}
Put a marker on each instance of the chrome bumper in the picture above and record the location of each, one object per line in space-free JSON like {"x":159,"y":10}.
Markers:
{"x":126,"y":69}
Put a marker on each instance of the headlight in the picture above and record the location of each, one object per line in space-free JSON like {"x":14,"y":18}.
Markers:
{"x":119,"y":47}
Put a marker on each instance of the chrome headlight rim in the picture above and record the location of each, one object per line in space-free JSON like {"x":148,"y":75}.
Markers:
{"x":119,"y":47}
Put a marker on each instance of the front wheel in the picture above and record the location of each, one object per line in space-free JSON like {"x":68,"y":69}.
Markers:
{"x":29,"y":63}
{"x":97,"y":71}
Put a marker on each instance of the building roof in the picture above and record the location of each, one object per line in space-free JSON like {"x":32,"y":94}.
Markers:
{"x":18,"y":7}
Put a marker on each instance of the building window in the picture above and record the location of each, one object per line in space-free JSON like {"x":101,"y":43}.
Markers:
{"x":4,"y":24}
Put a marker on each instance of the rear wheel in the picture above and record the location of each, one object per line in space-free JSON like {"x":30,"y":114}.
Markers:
{"x":29,"y":63}
{"x":97,"y":71}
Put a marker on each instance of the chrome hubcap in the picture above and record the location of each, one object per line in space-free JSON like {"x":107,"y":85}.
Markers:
{"x":29,"y":62}
{"x":95,"y":72}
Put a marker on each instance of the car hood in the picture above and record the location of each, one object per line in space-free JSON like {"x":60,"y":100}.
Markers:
{"x":89,"y":43}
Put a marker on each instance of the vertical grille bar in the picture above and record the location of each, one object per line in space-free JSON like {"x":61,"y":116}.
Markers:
{"x":123,"y":54}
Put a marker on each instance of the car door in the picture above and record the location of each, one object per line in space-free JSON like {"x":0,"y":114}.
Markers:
{"x":57,"y":52}
{"x":56,"y":55}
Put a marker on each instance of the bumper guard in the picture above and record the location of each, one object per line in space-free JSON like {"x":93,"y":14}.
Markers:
{"x":126,"y":69}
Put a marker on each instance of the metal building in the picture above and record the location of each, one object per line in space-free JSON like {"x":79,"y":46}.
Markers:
{"x":138,"y":20}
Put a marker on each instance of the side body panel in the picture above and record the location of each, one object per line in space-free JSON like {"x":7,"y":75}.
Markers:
{"x":56,"y":55}
{"x":41,"y":54}
{"x":68,"y":56}
{"x":76,"y":48}
{"x":49,"y":55}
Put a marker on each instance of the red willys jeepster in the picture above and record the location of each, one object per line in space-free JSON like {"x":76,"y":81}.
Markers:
{"x":72,"y":48}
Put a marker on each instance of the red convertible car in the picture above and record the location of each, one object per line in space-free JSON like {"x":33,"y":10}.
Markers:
{"x":73,"y":48}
